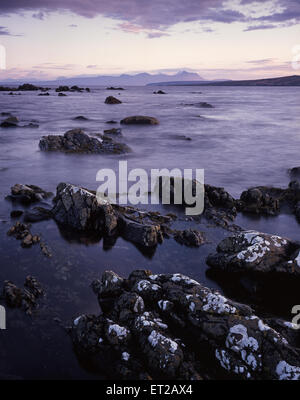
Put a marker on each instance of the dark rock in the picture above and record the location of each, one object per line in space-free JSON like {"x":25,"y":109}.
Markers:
{"x":81,"y":118}
{"x":76,"y":141}
{"x":253,"y":252}
{"x":79,"y":209}
{"x":23,"y":298}
{"x":169,"y":326}
{"x":114,"y":131}
{"x":189,"y":237}
{"x":29,"y":87}
{"x":16,"y":213}
{"x":140,"y":120}
{"x":147,"y":235}
{"x":62,"y":89}
{"x":22,"y":232}
{"x":88,"y":90}
{"x":294,"y":172}
{"x":114,"y":88}
{"x":27,"y":194}
{"x":259,"y":201}
{"x":37,"y":214}
{"x":62,"y":94}
{"x":44,"y":94}
{"x":112,"y":100}
{"x":10,"y":122}
{"x":111,"y":122}
{"x":159,"y":92}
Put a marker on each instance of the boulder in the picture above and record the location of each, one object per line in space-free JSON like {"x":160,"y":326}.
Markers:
{"x":256,"y":253}
{"x":139,"y":120}
{"x":112,"y":100}
{"x":76,"y":141}
{"x":261,"y":200}
{"x":189,"y":237}
{"x":80,"y":118}
{"x":79,"y":209}
{"x":169,"y":326}
{"x":37,"y":214}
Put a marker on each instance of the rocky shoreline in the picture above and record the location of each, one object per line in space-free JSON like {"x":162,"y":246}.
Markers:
{"x":168,"y":325}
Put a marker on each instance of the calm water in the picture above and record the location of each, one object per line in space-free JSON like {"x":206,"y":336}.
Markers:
{"x":250,"y":138}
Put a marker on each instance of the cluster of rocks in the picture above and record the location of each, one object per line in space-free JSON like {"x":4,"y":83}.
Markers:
{"x":22,"y":232}
{"x":76,"y":141}
{"x":114,"y":88}
{"x":159,"y":92}
{"x":71,"y":89}
{"x":28,"y":194}
{"x":170,"y":326}
{"x":13,"y":122}
{"x":23,"y":88}
{"x":25,"y":298}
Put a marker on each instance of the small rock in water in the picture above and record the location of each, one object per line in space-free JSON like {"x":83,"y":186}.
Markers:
{"x":16,"y":213}
{"x":140,"y":120}
{"x":112,"y":100}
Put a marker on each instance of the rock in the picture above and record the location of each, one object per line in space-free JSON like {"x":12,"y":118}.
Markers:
{"x":169,"y":326}
{"x":22,"y":232}
{"x":23,"y":298}
{"x":140,"y":120}
{"x":30,"y":87}
{"x":76,"y":141}
{"x":259,"y":201}
{"x":111,"y":122}
{"x":37,"y":214}
{"x":81,"y":118}
{"x":79,"y":209}
{"x":16,"y":213}
{"x":75,"y":88}
{"x":114,"y":131}
{"x":62,"y":94}
{"x":159,"y":92}
{"x":62,"y":89}
{"x":201,"y":105}
{"x":112,"y":100}
{"x":114,"y":88}
{"x":294,"y":173}
{"x":253,"y":252}
{"x":45,"y":250}
{"x":44,"y":94}
{"x":27,"y":194}
{"x":10,"y":122}
{"x":88,"y":90}
{"x":147,"y":235}
{"x":189,"y":237}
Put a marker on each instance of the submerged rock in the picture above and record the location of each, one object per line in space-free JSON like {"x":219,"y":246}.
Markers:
{"x":170,"y":326}
{"x":10,"y":122}
{"x":27,"y":194}
{"x":254,"y":252}
{"x":140,"y":120}
{"x":37,"y":214}
{"x":76,"y":141}
{"x":81,"y":118}
{"x":112,"y":100}
{"x":114,"y":131}
{"x":22,"y":232}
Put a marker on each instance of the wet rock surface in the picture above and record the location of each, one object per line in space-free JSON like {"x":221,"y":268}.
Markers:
{"x":170,"y":326}
{"x":256,"y":252}
{"x":139,"y":120}
{"x":25,"y":298}
{"x":27,"y":194}
{"x":76,"y":141}
{"x":112,"y":100}
{"x":22,"y":232}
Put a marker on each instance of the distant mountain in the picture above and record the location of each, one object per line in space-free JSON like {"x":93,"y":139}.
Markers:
{"x":186,"y":83}
{"x":293,"y":80}
{"x":141,"y":79}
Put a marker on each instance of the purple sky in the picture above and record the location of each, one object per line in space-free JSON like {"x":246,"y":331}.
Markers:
{"x":48,"y":38}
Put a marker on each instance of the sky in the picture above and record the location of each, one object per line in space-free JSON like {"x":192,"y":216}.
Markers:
{"x":232,"y":39}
